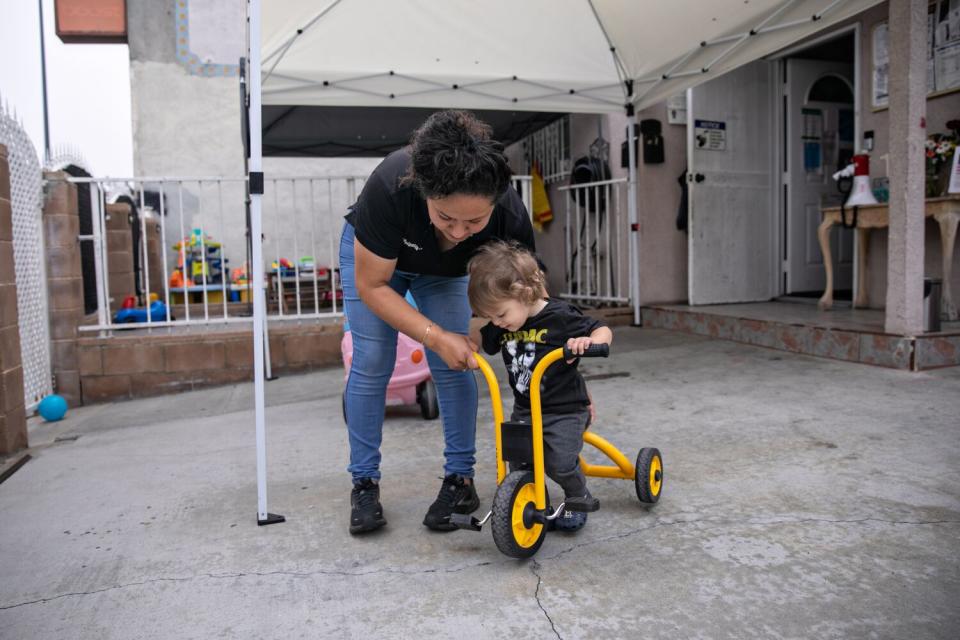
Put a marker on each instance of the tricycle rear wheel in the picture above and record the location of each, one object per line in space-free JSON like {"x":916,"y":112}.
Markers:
{"x":648,"y":475}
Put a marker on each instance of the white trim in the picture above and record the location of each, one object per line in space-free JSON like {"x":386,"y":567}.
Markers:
{"x":780,"y":266}
{"x":691,"y":211}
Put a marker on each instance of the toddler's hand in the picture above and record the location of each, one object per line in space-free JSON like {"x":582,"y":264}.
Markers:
{"x":578,"y":345}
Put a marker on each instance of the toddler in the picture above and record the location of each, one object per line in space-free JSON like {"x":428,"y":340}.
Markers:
{"x":508,"y":289}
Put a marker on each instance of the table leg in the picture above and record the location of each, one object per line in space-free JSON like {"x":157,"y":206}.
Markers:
{"x":863,"y":251}
{"x":948,"y":235}
{"x":823,"y":234}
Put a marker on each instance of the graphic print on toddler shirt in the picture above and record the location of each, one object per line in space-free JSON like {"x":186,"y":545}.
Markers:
{"x":521,"y":359}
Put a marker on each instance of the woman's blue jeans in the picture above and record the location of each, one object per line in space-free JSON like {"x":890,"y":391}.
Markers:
{"x":444,"y":301}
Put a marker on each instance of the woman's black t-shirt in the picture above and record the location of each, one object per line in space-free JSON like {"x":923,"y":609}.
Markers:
{"x":391,"y":220}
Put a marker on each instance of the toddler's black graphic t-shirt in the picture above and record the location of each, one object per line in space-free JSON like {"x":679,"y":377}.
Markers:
{"x":391,"y":220}
{"x":562,"y":389}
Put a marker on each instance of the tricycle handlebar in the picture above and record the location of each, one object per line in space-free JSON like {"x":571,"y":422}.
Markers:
{"x":593,"y":351}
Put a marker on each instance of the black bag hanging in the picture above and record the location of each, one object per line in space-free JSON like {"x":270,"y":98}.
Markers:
{"x":652,"y":141}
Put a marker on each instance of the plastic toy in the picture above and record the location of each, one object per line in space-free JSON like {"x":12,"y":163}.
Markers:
{"x":239,"y":276}
{"x":199,"y":260}
{"x":520,"y":514}
{"x":285,"y":266}
{"x":52,"y":408}
{"x":411,"y":382}
{"x":129,"y":312}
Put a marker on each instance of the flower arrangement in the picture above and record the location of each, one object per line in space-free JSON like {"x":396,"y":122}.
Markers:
{"x":940,"y":148}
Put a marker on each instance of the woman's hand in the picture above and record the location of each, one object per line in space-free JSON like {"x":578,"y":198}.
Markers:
{"x":454,"y":349}
{"x":578,"y":345}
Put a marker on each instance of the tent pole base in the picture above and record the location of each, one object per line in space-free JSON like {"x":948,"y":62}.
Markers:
{"x":272,"y":518}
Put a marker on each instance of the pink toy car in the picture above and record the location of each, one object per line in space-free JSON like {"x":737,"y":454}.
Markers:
{"x":411,"y":382}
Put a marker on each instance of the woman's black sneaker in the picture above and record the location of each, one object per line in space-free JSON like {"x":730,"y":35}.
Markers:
{"x":366,"y":514}
{"x":457,"y":495}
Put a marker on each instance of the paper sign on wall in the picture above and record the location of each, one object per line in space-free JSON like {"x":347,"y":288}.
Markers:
{"x":954,"y":185}
{"x":677,"y":109}
{"x":710,"y":135}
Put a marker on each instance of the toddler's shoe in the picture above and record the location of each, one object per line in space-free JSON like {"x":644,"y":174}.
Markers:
{"x":457,"y":495}
{"x":570,"y":521}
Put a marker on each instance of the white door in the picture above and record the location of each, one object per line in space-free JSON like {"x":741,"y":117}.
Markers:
{"x":819,"y":113}
{"x":730,"y":164}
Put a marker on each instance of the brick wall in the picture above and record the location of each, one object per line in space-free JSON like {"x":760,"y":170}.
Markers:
{"x":61,"y":226}
{"x":137,"y":364}
{"x":13,"y":421}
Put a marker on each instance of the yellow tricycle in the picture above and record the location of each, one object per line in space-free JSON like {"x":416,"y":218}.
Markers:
{"x":520,"y":516}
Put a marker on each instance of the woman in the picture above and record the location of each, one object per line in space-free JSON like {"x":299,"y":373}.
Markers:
{"x":421,"y":215}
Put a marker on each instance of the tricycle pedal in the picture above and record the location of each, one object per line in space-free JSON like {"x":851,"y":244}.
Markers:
{"x":467,"y":521}
{"x":586,"y":504}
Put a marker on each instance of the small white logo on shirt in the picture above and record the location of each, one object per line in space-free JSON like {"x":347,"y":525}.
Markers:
{"x":415,"y":247}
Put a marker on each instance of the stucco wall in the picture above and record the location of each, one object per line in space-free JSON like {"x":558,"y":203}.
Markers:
{"x":186,"y":122}
{"x":940,"y":109}
{"x":664,"y":249}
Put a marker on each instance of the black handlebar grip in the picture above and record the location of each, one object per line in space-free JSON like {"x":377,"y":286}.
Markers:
{"x":593,"y":351}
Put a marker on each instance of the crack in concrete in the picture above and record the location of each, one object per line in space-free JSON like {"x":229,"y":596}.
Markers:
{"x":534,"y":565}
{"x":95,"y":591}
{"x":244,"y":574}
{"x":456,"y":569}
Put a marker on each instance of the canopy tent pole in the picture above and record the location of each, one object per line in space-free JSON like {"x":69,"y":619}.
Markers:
{"x":634,"y":245}
{"x":255,"y":181}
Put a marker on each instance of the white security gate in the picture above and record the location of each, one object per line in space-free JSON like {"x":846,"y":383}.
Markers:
{"x":595,"y":239}
{"x":28,"y":258}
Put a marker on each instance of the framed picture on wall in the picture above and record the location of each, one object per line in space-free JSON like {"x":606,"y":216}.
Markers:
{"x":943,"y":54}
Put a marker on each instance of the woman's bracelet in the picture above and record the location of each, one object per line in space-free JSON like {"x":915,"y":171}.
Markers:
{"x":426,"y":332}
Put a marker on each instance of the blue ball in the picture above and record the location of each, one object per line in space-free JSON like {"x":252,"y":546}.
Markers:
{"x":52,"y":408}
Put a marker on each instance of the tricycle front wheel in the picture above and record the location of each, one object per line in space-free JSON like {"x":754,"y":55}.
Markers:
{"x":648,"y":475}
{"x":514,"y":531}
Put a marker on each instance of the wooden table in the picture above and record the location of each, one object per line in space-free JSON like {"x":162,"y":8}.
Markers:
{"x":946,"y":211}
{"x":283,"y":290}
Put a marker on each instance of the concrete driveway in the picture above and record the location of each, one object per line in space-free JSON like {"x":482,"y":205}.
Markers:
{"x":803,"y":498}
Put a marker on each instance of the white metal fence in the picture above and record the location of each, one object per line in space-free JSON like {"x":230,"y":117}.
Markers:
{"x":192,"y":248}
{"x":596,"y":233}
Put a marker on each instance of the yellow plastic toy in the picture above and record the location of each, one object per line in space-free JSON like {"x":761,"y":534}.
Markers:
{"x":520,"y":515}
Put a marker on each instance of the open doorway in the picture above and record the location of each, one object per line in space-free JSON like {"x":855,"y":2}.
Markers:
{"x":818,"y":133}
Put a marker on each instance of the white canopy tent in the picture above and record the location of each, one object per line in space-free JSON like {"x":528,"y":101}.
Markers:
{"x":586,"y":56}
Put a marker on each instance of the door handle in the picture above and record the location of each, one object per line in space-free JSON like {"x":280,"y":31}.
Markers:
{"x":699,"y":177}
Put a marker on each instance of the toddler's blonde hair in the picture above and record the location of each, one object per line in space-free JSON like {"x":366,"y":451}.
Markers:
{"x":502,"y":271}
